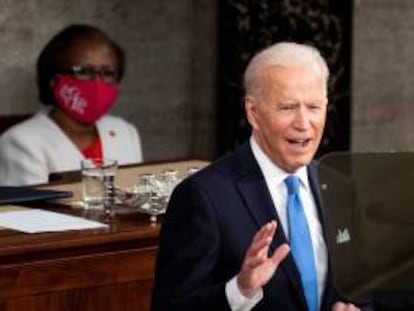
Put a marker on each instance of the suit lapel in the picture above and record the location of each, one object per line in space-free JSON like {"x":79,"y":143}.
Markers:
{"x":315,"y":187}
{"x":313,"y":181}
{"x":253,"y":189}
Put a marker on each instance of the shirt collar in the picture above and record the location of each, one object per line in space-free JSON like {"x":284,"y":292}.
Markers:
{"x":271,"y":171}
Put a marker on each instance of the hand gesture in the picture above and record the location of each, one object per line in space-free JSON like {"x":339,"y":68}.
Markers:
{"x":258,"y":267}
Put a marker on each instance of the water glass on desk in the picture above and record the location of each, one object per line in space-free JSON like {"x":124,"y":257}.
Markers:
{"x":98,"y":175}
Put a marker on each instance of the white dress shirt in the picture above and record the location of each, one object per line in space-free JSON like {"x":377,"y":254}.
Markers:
{"x":274,"y":177}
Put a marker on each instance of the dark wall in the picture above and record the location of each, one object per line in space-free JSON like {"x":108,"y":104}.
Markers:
{"x":248,"y":26}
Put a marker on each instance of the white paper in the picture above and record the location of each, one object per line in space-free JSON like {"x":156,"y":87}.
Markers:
{"x":36,"y":220}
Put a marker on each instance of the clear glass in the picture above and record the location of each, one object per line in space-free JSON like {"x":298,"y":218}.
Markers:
{"x":149,"y":186}
{"x":109,"y":195}
{"x":98,"y":175}
{"x":168,"y":181}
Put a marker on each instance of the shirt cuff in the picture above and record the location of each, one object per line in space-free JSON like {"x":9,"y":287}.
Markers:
{"x":237,"y":301}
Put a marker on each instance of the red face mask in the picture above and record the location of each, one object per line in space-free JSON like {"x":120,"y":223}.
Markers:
{"x":85,"y":101}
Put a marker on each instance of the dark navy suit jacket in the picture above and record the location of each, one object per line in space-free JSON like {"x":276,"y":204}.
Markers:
{"x":210,"y":222}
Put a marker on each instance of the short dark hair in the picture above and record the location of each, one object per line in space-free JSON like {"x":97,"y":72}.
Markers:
{"x":52,"y":56}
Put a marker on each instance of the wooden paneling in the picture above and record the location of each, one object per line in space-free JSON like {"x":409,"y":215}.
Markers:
{"x":129,"y":296}
{"x":109,"y":269}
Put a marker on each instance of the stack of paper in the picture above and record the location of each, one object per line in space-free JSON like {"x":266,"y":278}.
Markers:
{"x":36,"y":220}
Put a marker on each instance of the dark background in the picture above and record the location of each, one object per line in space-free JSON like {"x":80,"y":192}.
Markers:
{"x":248,"y":26}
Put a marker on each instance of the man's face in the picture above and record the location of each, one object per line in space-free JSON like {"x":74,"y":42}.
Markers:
{"x":288,"y":117}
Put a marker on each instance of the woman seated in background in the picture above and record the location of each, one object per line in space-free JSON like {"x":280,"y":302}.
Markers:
{"x":78,"y":76}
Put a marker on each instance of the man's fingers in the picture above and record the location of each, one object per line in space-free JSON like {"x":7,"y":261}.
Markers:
{"x":265,"y":231}
{"x":262,"y":238}
{"x":257,"y":247}
{"x":280,"y":253}
{"x":257,"y":267}
{"x":254,"y":262}
{"x":258,"y":250}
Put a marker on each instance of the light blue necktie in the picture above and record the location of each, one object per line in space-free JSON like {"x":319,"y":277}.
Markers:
{"x":301,"y":243}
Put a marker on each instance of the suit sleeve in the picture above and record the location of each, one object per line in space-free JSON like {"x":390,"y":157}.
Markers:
{"x":188,"y":255}
{"x":20,"y":163}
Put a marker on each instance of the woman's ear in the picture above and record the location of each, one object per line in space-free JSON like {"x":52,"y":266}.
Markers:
{"x":52,"y":81}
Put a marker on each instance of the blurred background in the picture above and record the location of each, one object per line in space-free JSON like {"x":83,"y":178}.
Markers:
{"x":185,"y":59}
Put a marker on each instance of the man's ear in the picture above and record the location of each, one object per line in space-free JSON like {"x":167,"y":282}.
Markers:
{"x":250,"y":107}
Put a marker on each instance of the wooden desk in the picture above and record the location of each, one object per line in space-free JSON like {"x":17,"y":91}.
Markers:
{"x":109,"y":269}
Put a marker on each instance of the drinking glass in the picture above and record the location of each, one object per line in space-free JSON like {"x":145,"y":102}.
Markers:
{"x":149,"y":186}
{"x":169,"y":179}
{"x":98,"y":182}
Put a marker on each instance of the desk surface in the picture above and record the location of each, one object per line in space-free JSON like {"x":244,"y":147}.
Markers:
{"x":122,"y":228}
{"x":100,"y":269}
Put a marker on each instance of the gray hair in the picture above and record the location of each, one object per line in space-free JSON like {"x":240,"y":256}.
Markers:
{"x":282,"y":54}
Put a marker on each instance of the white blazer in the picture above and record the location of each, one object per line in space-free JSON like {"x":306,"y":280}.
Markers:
{"x":31,"y":150}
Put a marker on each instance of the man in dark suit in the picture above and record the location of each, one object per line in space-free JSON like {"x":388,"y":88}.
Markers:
{"x":225,"y":241}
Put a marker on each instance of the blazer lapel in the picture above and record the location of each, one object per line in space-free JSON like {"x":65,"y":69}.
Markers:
{"x":314,"y":184}
{"x":253,"y":189}
{"x":315,"y":187}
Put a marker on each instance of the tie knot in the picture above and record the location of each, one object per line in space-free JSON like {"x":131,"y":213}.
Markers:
{"x":292,"y":183}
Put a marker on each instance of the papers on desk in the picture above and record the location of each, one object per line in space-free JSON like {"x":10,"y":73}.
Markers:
{"x":36,"y":221}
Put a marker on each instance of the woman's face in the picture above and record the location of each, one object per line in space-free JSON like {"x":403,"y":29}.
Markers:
{"x":86,"y":85}
{"x":88,"y":60}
